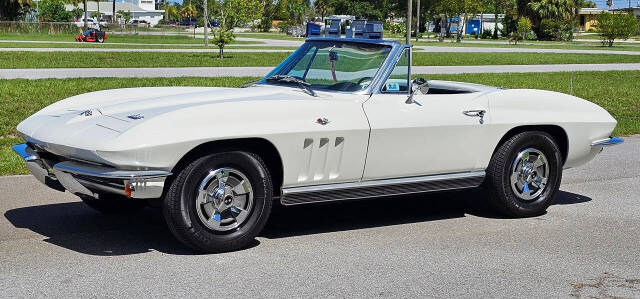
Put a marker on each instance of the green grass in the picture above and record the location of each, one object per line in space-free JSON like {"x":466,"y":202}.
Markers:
{"x":113,"y":38}
{"x":135,"y":59}
{"x":434,"y":59}
{"x":19,"y":59}
{"x":535,"y":45}
{"x":616,"y":91}
{"x":269,"y":35}
{"x":129,"y":46}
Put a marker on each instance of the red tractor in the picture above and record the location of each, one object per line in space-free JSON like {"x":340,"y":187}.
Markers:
{"x":92,"y":35}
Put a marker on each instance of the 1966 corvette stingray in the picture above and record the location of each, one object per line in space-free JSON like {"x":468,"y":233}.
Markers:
{"x":338,"y":119}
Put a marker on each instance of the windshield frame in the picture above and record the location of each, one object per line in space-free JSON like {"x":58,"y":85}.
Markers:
{"x":387,"y":64}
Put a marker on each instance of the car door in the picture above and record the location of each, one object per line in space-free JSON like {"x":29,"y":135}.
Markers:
{"x":430,"y":135}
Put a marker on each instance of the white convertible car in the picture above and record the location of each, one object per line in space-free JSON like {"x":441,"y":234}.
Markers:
{"x":338,"y":119}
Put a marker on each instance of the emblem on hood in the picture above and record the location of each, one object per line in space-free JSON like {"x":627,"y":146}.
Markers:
{"x":136,"y":116}
{"x":86,"y":113}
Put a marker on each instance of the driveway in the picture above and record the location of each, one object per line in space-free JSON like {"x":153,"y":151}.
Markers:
{"x":446,"y":245}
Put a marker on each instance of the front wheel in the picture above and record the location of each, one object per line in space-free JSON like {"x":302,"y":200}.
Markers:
{"x":219,"y":202}
{"x":524,"y":174}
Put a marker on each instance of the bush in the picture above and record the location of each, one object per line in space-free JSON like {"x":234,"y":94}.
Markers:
{"x":486,"y":34}
{"x":398,"y":28}
{"x":615,"y":26}
{"x":54,"y":11}
{"x":522,"y":29}
{"x":553,"y":30}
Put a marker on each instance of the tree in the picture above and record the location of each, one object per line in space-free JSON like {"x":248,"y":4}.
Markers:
{"x":188,"y":11}
{"x":557,"y":10}
{"x":53,"y":11}
{"x":615,"y":26}
{"x":523,"y":28}
{"x":77,"y":13}
{"x":223,"y":38}
{"x":235,"y":12}
{"x":13,"y":9}
{"x":323,"y":8}
{"x":465,"y":9}
{"x":125,"y":14}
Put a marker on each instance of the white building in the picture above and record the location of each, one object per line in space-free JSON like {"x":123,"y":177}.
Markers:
{"x":139,"y":9}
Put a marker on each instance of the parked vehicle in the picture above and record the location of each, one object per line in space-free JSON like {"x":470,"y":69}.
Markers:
{"x":92,"y":35}
{"x":91,"y":23}
{"x":171,"y":23}
{"x":339,"y":119}
{"x":214,"y":23}
{"x":191,"y":22}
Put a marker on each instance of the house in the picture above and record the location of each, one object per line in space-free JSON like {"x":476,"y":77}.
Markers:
{"x":586,"y":18}
{"x":139,"y":9}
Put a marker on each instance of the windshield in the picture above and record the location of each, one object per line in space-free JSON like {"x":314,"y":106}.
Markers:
{"x":333,"y":65}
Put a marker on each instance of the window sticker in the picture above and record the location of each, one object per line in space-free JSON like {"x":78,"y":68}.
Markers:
{"x":393,"y":87}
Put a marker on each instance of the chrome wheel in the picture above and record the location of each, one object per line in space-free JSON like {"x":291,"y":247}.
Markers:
{"x":224,"y":200}
{"x":529,"y":174}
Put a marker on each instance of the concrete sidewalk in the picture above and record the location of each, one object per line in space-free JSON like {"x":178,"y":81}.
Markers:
{"x":261,"y":71}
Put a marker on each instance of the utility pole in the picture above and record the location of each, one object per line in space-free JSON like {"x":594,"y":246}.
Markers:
{"x":85,"y":14}
{"x":206,"y":23}
{"x":113,"y":15}
{"x":409,"y":13}
{"x":418,"y":20}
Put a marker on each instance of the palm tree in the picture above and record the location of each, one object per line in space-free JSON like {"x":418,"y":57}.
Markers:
{"x":553,"y":9}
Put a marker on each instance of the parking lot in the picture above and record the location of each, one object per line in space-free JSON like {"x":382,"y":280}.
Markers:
{"x":441,"y":245}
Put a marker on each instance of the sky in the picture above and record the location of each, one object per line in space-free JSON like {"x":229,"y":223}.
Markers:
{"x":599,"y":3}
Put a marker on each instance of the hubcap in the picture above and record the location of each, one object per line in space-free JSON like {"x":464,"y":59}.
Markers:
{"x":529,"y":174}
{"x":224,"y":200}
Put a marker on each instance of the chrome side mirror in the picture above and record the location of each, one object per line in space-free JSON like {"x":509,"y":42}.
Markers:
{"x":418,"y":84}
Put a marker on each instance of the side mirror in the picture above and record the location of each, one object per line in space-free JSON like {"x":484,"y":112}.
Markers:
{"x":418,"y":84}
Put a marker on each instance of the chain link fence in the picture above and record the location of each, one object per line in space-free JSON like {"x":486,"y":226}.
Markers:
{"x":77,"y":27}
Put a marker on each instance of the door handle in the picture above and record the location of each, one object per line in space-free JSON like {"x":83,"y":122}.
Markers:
{"x":478,"y":113}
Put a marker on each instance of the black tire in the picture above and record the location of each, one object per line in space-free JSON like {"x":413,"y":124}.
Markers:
{"x":179,"y":205}
{"x":498,"y":182}
{"x":112,"y":203}
{"x":100,"y":38}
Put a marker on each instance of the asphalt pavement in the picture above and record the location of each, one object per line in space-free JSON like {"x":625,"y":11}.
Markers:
{"x":261,"y":71}
{"x":441,"y":245}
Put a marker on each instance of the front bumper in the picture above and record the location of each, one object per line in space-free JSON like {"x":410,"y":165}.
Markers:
{"x":607,"y":142}
{"x":89,"y":179}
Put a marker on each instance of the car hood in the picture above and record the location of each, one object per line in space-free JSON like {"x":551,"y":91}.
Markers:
{"x":72,"y":121}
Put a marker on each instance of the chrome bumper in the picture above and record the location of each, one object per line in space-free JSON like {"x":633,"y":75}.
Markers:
{"x":607,"y":142}
{"x":88,"y":179}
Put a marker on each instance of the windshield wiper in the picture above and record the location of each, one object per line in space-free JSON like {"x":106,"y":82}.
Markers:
{"x":291,"y":79}
{"x":250,"y":83}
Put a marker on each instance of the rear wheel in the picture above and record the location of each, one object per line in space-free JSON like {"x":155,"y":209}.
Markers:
{"x":524,"y":174}
{"x":219,"y":202}
{"x":112,"y":203}
{"x":100,"y":38}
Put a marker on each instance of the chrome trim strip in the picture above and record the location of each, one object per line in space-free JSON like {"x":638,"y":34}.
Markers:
{"x":384,"y":182}
{"x":607,"y":142}
{"x":21,"y":149}
{"x":107,"y":172}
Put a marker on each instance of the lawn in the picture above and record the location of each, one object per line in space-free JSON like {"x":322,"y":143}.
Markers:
{"x":114,"y":38}
{"x":615,"y":91}
{"x":532,"y":45}
{"x":19,"y":59}
{"x":108,"y":45}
